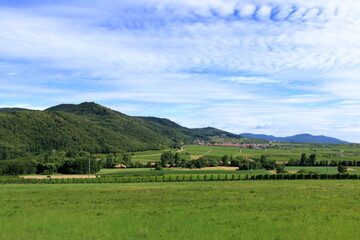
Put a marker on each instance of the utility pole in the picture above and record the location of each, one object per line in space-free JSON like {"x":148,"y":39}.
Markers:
{"x":89,"y":167}
{"x":327,"y":168}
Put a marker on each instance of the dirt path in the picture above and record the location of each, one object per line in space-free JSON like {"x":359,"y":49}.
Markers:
{"x":240,"y":152}
{"x":158,"y":154}
{"x":210,"y":168}
{"x":181,"y":150}
{"x":352,"y":169}
{"x":194,"y":157}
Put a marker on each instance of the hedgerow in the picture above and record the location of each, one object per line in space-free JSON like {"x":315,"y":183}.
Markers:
{"x":179,"y":178}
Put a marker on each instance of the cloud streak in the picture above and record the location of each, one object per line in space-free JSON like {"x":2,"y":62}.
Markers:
{"x":221,"y":60}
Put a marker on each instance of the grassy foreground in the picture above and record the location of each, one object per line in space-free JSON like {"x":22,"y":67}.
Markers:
{"x":310,"y":209}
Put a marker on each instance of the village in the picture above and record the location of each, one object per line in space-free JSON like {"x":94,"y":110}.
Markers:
{"x":229,"y":144}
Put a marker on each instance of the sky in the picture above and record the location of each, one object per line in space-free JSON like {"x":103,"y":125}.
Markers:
{"x":280,"y":67}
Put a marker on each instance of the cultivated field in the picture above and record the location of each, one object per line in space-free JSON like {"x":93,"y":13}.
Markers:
{"x":309,"y":209}
{"x":177,"y":171}
{"x":282,"y":152}
{"x":215,"y":170}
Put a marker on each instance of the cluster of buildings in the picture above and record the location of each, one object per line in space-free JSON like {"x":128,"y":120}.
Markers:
{"x":243,"y":145}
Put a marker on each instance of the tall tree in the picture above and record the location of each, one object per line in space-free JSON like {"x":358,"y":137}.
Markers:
{"x":303,"y":159}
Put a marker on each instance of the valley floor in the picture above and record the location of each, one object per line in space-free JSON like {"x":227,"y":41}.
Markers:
{"x":309,"y":209}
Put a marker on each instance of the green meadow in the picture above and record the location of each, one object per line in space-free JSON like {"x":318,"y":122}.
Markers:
{"x":304,"y":209}
{"x":174,"y":171}
{"x":182,"y":171}
{"x":281,"y":152}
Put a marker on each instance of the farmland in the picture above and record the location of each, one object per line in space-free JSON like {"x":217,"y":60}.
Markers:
{"x":281,"y":152}
{"x":175,"y":171}
{"x":181,"y":171}
{"x":197,"y":210}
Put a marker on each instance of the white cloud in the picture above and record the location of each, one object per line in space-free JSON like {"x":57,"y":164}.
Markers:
{"x":247,"y":10}
{"x":249,"y":80}
{"x":246,"y":63}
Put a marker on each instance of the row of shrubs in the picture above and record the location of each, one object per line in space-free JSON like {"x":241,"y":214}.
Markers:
{"x":179,"y":178}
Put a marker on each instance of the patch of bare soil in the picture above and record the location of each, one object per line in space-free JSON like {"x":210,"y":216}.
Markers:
{"x":194,"y":157}
{"x":211,"y":168}
{"x":221,"y":168}
{"x":351,"y":169}
{"x":181,"y":150}
{"x":272,"y":171}
{"x":58,"y":176}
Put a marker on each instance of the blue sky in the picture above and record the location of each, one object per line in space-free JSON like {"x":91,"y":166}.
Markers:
{"x":277,"y":67}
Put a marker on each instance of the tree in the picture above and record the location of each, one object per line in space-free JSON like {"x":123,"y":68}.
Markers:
{"x":177,"y":159}
{"x":280,"y":168}
{"x":225,"y":160}
{"x":244,"y":165}
{"x":80,"y":165}
{"x":342,"y":169}
{"x":303,"y":159}
{"x":126,"y":159}
{"x":312,"y":159}
{"x":166,"y":158}
{"x":158,"y":166}
{"x":263,"y":159}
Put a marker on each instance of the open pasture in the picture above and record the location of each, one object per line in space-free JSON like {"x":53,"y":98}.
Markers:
{"x":309,"y":209}
{"x":282,"y":152}
{"x":175,"y":171}
{"x":182,"y":171}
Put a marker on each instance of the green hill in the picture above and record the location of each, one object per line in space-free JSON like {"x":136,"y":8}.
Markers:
{"x":32,"y":132}
{"x":92,"y":128}
{"x":86,"y":127}
{"x":158,"y":133}
{"x":211,"y":132}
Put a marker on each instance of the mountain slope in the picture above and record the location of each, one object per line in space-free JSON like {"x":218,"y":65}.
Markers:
{"x":161,"y":132}
{"x":300,"y":138}
{"x":86,"y":127}
{"x":32,"y":132}
{"x":210,"y":132}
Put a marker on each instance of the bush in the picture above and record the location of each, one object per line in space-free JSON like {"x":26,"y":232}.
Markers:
{"x":342,"y":169}
{"x":280,"y":169}
{"x":158,"y":166}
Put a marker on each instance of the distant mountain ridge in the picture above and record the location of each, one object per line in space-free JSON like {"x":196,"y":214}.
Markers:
{"x":13,"y":109}
{"x":299,"y":138}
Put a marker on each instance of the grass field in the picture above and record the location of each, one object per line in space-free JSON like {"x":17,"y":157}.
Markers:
{"x":198,"y":210}
{"x":282,"y":152}
{"x":173,"y":171}
{"x":182,"y":171}
{"x":322,"y":169}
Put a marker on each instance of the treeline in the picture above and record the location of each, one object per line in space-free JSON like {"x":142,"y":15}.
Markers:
{"x":311,"y":160}
{"x":70,"y":162}
{"x":169,"y":159}
{"x":182,"y":178}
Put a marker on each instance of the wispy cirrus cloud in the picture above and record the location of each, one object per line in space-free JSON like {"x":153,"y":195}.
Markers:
{"x":227,"y":63}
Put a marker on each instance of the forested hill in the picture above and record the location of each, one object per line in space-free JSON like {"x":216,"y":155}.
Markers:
{"x":152,"y":130}
{"x":87,"y":127}
{"x":210,"y":131}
